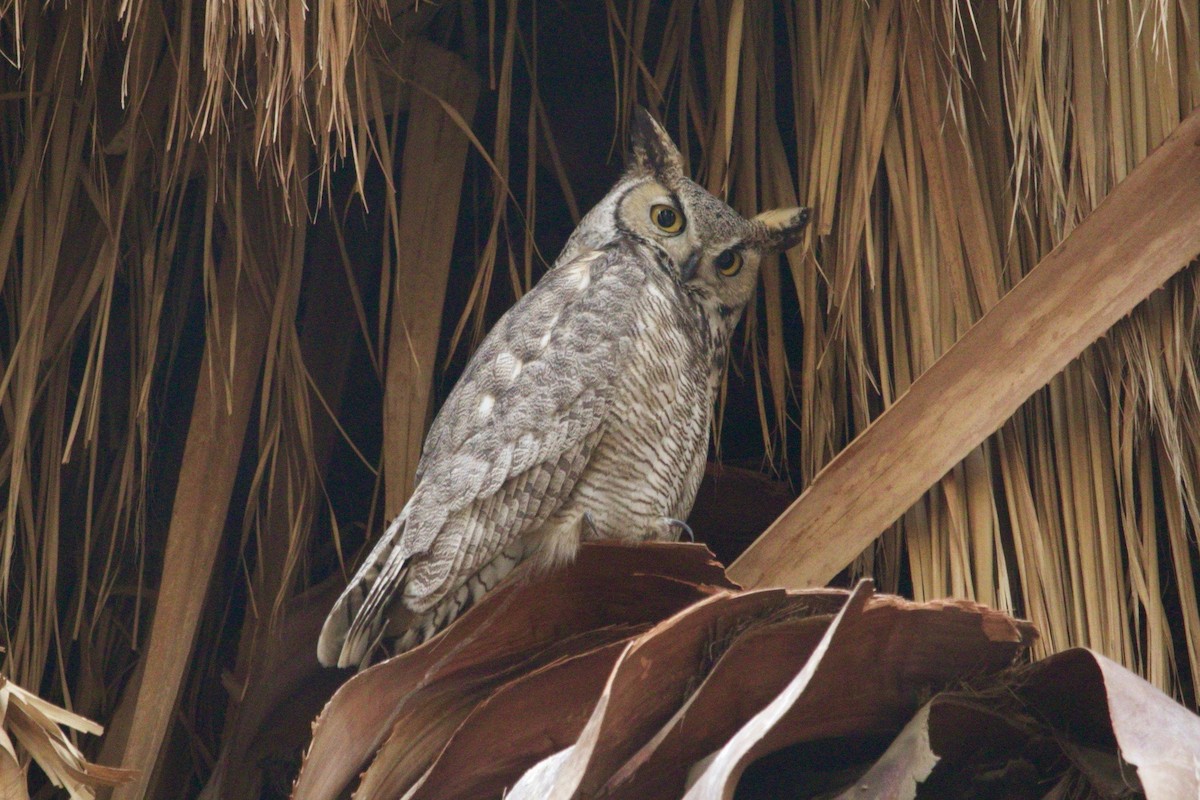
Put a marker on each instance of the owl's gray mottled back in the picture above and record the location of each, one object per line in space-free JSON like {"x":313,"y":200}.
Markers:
{"x":585,"y":413}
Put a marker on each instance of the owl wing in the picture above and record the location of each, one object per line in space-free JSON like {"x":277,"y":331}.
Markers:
{"x":508,"y":445}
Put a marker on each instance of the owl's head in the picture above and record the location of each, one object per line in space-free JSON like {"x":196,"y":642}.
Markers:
{"x":713,"y":251}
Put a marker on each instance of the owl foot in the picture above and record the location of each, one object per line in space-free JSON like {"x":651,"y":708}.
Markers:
{"x":590,"y":532}
{"x":683,"y":527}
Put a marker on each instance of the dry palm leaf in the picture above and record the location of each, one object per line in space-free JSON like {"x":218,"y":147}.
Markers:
{"x":272,"y":721}
{"x":755,"y":668}
{"x":1108,"y":708}
{"x":12,"y":777}
{"x":522,"y":722}
{"x":515,"y":630}
{"x":748,"y":673}
{"x":427,"y":719}
{"x":652,"y":680}
{"x":735,"y":505}
{"x":1145,"y":231}
{"x":907,"y":762}
{"x":864,"y":676}
{"x":219,"y":419}
{"x":37,"y":726}
{"x":961,"y":742}
{"x":435,"y":155}
{"x":1074,"y":725}
{"x":949,"y":145}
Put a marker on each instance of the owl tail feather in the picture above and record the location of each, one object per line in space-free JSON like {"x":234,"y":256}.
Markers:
{"x":356,"y":621}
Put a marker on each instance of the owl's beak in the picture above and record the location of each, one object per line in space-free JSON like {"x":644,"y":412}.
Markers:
{"x":688,"y":270}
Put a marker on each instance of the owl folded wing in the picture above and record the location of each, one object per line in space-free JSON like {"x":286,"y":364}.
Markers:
{"x":507,"y":446}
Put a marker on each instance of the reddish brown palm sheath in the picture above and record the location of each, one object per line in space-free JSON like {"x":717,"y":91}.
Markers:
{"x":1146,"y":230}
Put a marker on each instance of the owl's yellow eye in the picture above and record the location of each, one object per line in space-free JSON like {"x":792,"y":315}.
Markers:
{"x":667,"y":218}
{"x":729,"y":263}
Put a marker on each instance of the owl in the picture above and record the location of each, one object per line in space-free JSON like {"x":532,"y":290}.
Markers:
{"x":584,"y":414}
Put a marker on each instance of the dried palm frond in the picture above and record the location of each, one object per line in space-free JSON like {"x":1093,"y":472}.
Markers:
{"x":37,"y":726}
{"x":214,"y":195}
{"x":947,"y":148}
{"x":1140,"y":237}
{"x":638,"y":684}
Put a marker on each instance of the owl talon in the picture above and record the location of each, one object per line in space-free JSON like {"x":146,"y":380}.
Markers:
{"x":683,"y":528}
{"x":591,"y":532}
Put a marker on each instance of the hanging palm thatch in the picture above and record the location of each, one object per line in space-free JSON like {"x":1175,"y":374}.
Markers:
{"x":245,"y":248}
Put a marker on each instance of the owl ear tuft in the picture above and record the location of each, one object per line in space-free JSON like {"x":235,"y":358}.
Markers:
{"x":651,"y":149}
{"x":783,"y":227}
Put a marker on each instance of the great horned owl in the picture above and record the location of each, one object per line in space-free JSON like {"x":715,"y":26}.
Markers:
{"x":585,"y":413}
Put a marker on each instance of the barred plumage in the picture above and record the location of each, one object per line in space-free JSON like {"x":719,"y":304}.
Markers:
{"x":584,"y":413}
